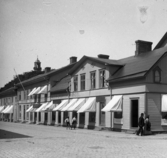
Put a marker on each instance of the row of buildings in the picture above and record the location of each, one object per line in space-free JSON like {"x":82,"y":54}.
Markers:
{"x":99,"y":91}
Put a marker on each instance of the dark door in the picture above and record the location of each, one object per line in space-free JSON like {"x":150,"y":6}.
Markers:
{"x":102,"y":114}
{"x":134,"y":113}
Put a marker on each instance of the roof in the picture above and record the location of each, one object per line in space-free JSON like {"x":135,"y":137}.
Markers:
{"x":99,"y":60}
{"x":48,"y":74}
{"x":139,"y":64}
{"x":160,"y":43}
{"x":62,"y":85}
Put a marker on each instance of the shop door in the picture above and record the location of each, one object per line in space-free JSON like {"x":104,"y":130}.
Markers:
{"x":134,"y":113}
{"x":102,"y":114}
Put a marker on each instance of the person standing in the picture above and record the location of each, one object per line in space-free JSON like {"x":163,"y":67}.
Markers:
{"x":74,"y":121}
{"x":140,"y":124}
{"x":67,"y":121}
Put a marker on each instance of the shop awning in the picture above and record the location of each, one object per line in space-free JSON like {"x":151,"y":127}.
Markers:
{"x":71,"y":103}
{"x":31,"y":92}
{"x":77,"y":105}
{"x":115,"y":104}
{"x":41,"y":107}
{"x":33,"y":110}
{"x":6,"y":109}
{"x":36,"y":91}
{"x":9,"y":110}
{"x":164,"y":103}
{"x":89,"y":106}
{"x":61,"y":105}
{"x":48,"y":107}
{"x":1,"y":108}
{"x":30,"y":108}
{"x":43,"y":90}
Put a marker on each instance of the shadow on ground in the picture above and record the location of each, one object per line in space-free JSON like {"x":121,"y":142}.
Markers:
{"x":8,"y":135}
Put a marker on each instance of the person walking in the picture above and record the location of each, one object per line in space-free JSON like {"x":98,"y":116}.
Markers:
{"x":140,"y":124}
{"x":67,"y":121}
{"x":74,"y":121}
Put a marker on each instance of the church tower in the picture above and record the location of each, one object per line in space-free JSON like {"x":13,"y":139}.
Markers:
{"x":37,"y":65}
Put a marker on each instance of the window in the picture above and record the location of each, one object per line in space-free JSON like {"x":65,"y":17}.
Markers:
{"x":39,"y":98}
{"x":75,"y":83}
{"x":46,"y":95}
{"x":93,"y":80}
{"x":157,"y":75}
{"x":82,"y":82}
{"x":102,"y":79}
{"x":118,"y":115}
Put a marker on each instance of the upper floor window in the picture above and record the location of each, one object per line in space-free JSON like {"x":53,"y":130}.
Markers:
{"x":82,"y":82}
{"x":93,"y":80}
{"x":157,"y":75}
{"x":102,"y":79}
{"x":75,"y":83}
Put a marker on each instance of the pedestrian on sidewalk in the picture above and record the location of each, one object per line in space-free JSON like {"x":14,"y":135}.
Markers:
{"x":74,"y":122}
{"x":147,"y":126}
{"x":140,"y":124}
{"x":67,"y":121}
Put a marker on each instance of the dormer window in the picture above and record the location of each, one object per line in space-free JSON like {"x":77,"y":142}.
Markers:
{"x":157,"y":75}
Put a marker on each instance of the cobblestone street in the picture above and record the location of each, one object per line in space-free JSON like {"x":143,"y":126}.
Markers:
{"x":58,"y":142}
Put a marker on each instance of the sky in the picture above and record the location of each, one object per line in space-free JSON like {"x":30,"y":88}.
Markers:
{"x":55,"y":30}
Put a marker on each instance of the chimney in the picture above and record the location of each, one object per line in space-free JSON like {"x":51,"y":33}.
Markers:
{"x":143,"y":47}
{"x":103,"y":56}
{"x":73,"y":60}
{"x":47,"y":69}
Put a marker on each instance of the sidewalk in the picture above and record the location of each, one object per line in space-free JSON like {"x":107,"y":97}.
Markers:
{"x":51,"y":141}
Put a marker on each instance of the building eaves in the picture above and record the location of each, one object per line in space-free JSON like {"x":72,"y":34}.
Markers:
{"x":108,"y":62}
{"x":62,"y":85}
{"x":140,"y":63}
{"x":161,"y":41}
{"x":45,"y":76}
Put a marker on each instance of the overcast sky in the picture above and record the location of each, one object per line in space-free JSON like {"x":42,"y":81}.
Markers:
{"x":55,"y":30}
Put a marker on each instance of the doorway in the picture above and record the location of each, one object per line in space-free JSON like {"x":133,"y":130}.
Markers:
{"x":134,"y":112}
{"x":102,"y":114}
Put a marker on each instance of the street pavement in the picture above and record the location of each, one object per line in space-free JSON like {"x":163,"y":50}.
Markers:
{"x":42,"y":141}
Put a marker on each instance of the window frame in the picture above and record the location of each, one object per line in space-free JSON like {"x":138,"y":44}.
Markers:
{"x":93,"y":81}
{"x":102,"y":85}
{"x":157,"y":69}
{"x":82,"y":82}
{"x":75,"y":83}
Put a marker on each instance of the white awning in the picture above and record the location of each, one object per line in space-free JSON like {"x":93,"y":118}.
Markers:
{"x":31,"y":92}
{"x":50,"y":106}
{"x":164,"y":103}
{"x":115,"y":104}
{"x":33,"y":110}
{"x":6,"y":109}
{"x":30,"y":108}
{"x":43,"y":90}
{"x":77,"y":105}
{"x":9,"y":110}
{"x":61,"y":105}
{"x":1,"y":108}
{"x":89,"y":106}
{"x":41,"y":107}
{"x":36,"y":91}
{"x":71,"y":103}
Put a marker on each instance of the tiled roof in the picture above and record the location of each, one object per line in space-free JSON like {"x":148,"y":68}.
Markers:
{"x":138,"y":64}
{"x":62,"y":85}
